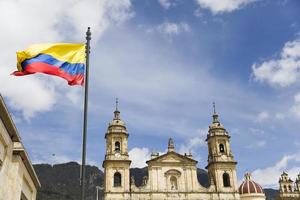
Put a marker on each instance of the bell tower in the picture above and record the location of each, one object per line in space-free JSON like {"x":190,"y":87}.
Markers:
{"x":285,"y":183}
{"x":221,"y":164}
{"x":298,"y":183}
{"x":116,"y":164}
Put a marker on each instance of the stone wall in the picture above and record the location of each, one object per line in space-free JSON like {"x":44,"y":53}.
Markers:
{"x":14,"y":177}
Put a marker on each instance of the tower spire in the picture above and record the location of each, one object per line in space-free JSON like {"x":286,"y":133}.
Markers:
{"x":117,"y":103}
{"x":117,"y":112}
{"x":171,"y":145}
{"x":215,"y":115}
{"x":214,"y":106}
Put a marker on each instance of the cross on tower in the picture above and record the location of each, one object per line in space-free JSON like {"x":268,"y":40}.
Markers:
{"x":117,"y":103}
{"x":214,"y":106}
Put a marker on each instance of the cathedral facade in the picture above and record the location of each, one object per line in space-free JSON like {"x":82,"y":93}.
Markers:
{"x":172,"y":176}
{"x":288,"y":189}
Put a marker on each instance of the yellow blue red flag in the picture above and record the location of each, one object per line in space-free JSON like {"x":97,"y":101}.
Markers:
{"x":60,"y":59}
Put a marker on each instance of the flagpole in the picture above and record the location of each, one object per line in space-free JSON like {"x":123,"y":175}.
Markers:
{"x":86,"y":92}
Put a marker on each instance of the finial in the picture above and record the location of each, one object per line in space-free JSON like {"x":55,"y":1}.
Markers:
{"x":170,"y":145}
{"x":117,"y":103}
{"x":215,"y":115}
{"x":214,"y":106}
{"x":117,"y":112}
{"x":88,"y":34}
{"x":248,"y":176}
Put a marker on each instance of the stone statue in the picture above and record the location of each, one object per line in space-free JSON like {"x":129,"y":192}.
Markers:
{"x":145,"y":180}
{"x":132,"y":180}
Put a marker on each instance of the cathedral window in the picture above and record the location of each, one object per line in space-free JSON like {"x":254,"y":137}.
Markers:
{"x":226,"y":180}
{"x":284,"y":188}
{"x":173,"y":181}
{"x":222,"y":148}
{"x":117,"y":179}
{"x":117,"y":146}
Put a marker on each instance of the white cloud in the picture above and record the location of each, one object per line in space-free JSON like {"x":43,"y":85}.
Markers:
{"x":257,"y":144}
{"x":60,"y":159}
{"x":119,"y":11}
{"x":263,"y":116}
{"x":171,"y":28}
{"x":74,"y":95}
{"x":297,"y":143}
{"x":297,"y":98}
{"x":217,"y":6}
{"x":193,"y":144}
{"x":165,"y":4}
{"x":279,"y":116}
{"x":268,"y":177}
{"x":295,"y":109}
{"x":139,"y":156}
{"x":198,"y":12}
{"x":256,"y":131}
{"x":282,"y":71}
{"x":61,"y":21}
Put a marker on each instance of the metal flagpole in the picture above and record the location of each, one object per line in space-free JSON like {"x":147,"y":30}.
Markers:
{"x":86,"y":92}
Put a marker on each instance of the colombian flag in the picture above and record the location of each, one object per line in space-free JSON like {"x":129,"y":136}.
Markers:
{"x":58,"y":59}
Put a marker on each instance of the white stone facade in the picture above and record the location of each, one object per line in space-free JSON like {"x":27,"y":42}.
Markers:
{"x":171,"y":176}
{"x":18,"y":180}
{"x":288,"y":189}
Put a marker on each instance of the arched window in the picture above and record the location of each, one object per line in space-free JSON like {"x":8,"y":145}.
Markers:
{"x":117,"y":146}
{"x":226,"y":180}
{"x":222,"y":148}
{"x":117,"y":179}
{"x":173,"y":181}
{"x":285,"y":188}
{"x":290,"y":188}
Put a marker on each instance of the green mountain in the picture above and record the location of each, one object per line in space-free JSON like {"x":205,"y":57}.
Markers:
{"x":61,"y":181}
{"x":271,"y":194}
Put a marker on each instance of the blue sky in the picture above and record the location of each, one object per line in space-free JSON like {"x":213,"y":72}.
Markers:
{"x":166,"y":61}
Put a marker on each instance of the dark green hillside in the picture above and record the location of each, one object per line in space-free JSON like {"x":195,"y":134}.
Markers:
{"x":61,"y":182}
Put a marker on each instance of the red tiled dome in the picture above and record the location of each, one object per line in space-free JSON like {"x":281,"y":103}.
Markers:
{"x":250,"y":187}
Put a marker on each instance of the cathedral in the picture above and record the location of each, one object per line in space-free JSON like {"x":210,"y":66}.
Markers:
{"x":173,"y":176}
{"x":288,"y":190}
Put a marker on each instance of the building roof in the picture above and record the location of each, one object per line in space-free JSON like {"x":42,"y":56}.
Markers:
{"x":172,"y":156}
{"x":249,"y":186}
{"x":15,"y":137}
{"x":8,"y":123}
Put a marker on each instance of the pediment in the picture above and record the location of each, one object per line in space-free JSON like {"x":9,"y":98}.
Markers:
{"x":172,"y":157}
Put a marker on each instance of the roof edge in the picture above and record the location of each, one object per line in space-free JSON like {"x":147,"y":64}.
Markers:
{"x":10,"y":125}
{"x":172,"y":152}
{"x":16,"y":139}
{"x":19,"y":150}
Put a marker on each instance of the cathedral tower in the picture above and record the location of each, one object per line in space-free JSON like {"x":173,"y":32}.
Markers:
{"x":116,"y":164}
{"x":221,"y":164}
{"x":298,"y":183}
{"x":285,"y":183}
{"x":289,"y":189}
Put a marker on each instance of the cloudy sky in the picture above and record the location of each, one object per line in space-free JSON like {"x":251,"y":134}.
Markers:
{"x":167,"y":61}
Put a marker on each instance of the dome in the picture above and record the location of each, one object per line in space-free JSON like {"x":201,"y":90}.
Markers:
{"x":249,"y":186}
{"x":216,"y":128}
{"x":116,"y":125}
{"x":116,"y":120}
